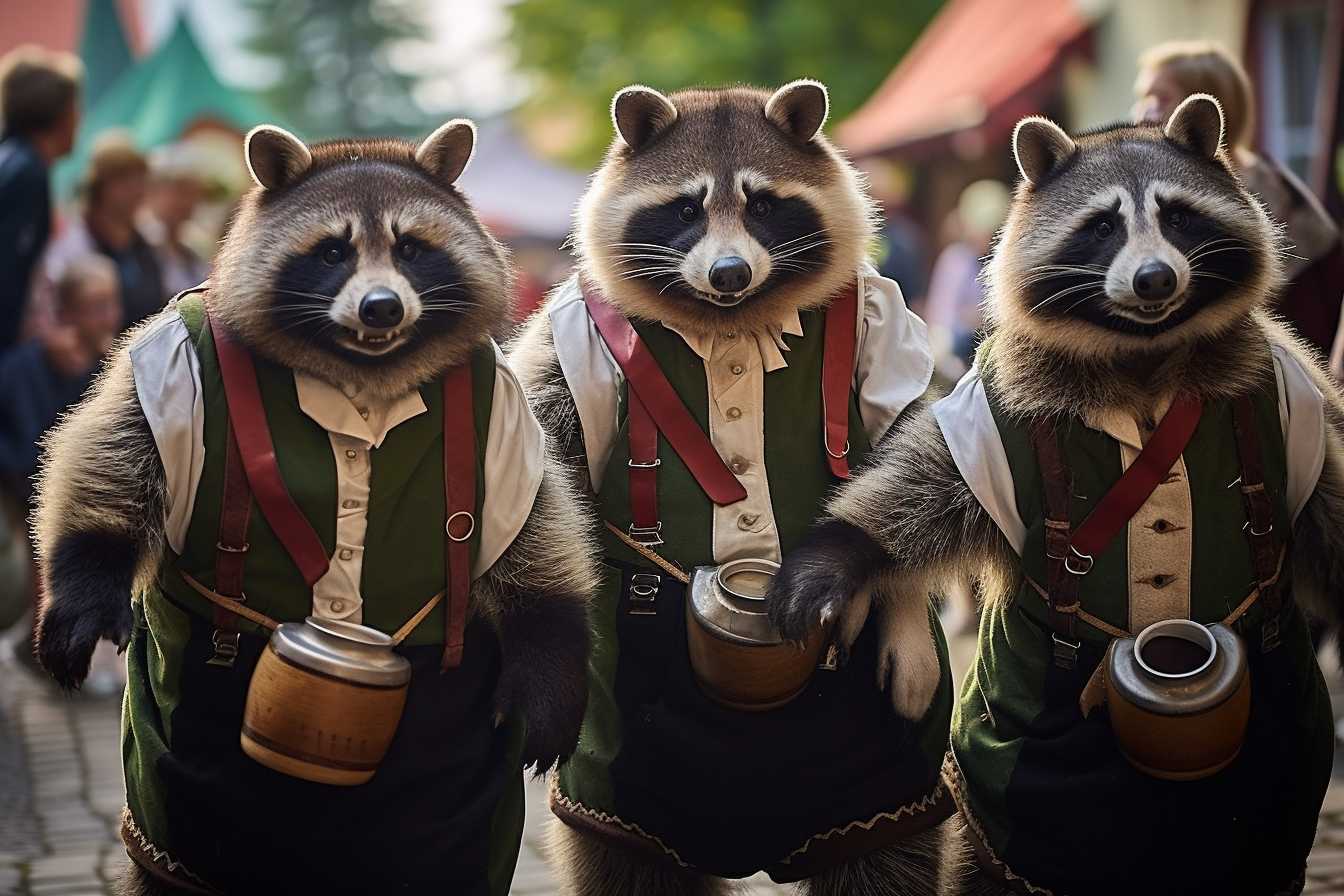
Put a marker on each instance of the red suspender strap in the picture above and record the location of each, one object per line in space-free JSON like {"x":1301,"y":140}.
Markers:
{"x":459,"y":480}
{"x":1071,"y":555}
{"x":837,"y":375}
{"x":248,"y":417}
{"x":645,"y":527}
{"x":230,"y":552}
{"x":1260,"y":520}
{"x":650,"y":385}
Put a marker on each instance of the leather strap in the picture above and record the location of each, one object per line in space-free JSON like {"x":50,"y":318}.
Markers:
{"x":645,"y":526}
{"x":1260,"y":520}
{"x":1071,"y":554}
{"x":459,"y":482}
{"x":674,"y":421}
{"x":243,"y":396}
{"x":837,"y":376}
{"x":230,"y":553}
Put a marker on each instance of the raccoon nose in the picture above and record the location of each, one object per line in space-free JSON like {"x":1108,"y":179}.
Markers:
{"x":731,"y":274}
{"x":380,"y":308}
{"x":1155,"y":281}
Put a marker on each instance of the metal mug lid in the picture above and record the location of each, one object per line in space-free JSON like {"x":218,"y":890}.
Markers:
{"x":343,"y":650}
{"x":729,"y":601}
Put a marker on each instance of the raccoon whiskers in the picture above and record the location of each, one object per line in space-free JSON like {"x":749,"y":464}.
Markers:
{"x":1091,"y":289}
{"x":1051,"y":271}
{"x":649,"y":272}
{"x":1213,"y":247}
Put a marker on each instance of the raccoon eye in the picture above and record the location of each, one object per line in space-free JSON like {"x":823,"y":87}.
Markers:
{"x":760,"y":208}
{"x":407,"y":250}
{"x":1177,"y":219}
{"x":1103,"y":229}
{"x":688,"y":213}
{"x":332,"y":254}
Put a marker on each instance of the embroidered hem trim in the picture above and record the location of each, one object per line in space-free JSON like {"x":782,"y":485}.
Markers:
{"x":558,"y":799}
{"x":952,"y":777}
{"x":911,"y":810}
{"x":131,"y":831}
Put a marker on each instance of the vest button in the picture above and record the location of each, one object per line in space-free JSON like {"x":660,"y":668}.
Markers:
{"x":737,"y":369}
{"x":734,"y":413}
{"x":747,"y":520}
{"x":346,"y":554}
{"x":348,"y":503}
{"x":337,"y":606}
{"x":352,"y":454}
{"x":739,"y":465}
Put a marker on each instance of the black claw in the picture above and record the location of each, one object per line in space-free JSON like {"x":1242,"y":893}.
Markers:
{"x":821,"y":574}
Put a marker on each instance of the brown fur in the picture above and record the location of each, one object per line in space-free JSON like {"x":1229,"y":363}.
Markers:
{"x":375,"y":190}
{"x":692,"y":133}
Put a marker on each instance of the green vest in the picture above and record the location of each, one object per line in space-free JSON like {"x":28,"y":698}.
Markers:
{"x":1042,"y":782}
{"x":640,"y":685}
{"x":182,"y":718}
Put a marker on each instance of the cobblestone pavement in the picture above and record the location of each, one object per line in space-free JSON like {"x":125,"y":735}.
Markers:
{"x":61,"y":795}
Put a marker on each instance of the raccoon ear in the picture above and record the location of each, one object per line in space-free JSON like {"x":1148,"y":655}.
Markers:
{"x":1197,"y":124}
{"x":1040,"y":146}
{"x":799,"y":108}
{"x":640,"y":114}
{"x":275,"y":156}
{"x":446,"y":152}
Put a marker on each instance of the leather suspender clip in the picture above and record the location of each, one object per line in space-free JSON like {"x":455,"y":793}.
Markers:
{"x":643,"y":593}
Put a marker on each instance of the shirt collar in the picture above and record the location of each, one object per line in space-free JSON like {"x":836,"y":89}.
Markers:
{"x":770,"y":344}
{"x":341,"y":411}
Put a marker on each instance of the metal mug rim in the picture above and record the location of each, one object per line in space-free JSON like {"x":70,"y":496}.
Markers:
{"x":1162,"y":627}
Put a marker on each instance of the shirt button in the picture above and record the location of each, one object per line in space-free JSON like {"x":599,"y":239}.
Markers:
{"x":734,"y":413}
{"x":346,"y":554}
{"x":747,"y":520}
{"x":736,"y":369}
{"x":349,"y":503}
{"x":352,"y":454}
{"x":739,"y":465}
{"x":337,"y":606}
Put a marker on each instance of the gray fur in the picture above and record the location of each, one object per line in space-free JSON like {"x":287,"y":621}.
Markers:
{"x":911,"y":867}
{"x":587,"y":868}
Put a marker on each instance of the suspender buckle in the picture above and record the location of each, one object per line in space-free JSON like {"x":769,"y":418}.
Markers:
{"x":1269,"y":633}
{"x":649,"y":536}
{"x":1076,"y":563}
{"x":827,"y":445}
{"x":643,"y":593}
{"x":645,"y":465}
{"x":226,"y":648}
{"x":1066,"y":652}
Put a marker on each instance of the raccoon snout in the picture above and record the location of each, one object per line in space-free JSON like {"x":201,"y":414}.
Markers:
{"x":381,"y":308}
{"x":731,"y":274}
{"x":1155,"y":281}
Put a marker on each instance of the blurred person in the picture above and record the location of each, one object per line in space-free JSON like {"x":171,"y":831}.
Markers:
{"x":176,"y":187}
{"x":1314,"y":265}
{"x":114,"y":187}
{"x":39,"y":112}
{"x":42,"y":377}
{"x":952,"y":309}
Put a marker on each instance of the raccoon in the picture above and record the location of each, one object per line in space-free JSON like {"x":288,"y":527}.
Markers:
{"x":358,"y":284}
{"x":1133,"y":272}
{"x":722,"y":233}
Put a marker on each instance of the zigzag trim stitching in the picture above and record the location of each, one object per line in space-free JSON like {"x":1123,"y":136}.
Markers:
{"x":953,"y":778}
{"x":569,"y":805}
{"x":157,"y":855}
{"x":912,"y":809}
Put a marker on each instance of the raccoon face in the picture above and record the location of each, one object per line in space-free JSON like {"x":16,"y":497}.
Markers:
{"x":357,"y":261}
{"x":722,"y":208}
{"x":1130,"y":239}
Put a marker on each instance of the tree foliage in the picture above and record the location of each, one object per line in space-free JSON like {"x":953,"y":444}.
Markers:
{"x":335,"y":63}
{"x":580,"y":52}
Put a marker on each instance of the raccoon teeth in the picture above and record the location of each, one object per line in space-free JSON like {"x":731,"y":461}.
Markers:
{"x":362,"y":336}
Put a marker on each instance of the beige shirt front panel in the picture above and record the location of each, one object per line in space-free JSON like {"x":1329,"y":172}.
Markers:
{"x":735,"y":368}
{"x":355,"y":427}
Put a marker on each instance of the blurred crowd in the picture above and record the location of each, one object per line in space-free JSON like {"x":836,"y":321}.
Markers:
{"x":69,"y":285}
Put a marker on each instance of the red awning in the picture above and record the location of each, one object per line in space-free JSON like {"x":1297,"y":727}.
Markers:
{"x":972,"y":64}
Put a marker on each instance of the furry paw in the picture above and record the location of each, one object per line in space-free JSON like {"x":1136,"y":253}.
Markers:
{"x":909,"y":667}
{"x":820,"y":578}
{"x":545,"y":677}
{"x":69,"y":631}
{"x":88,"y":597}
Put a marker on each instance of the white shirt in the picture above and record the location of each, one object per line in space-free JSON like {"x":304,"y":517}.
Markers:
{"x":168,"y":384}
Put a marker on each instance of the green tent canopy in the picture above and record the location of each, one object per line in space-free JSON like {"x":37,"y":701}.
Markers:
{"x":104,"y":49}
{"x":158,"y":99}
